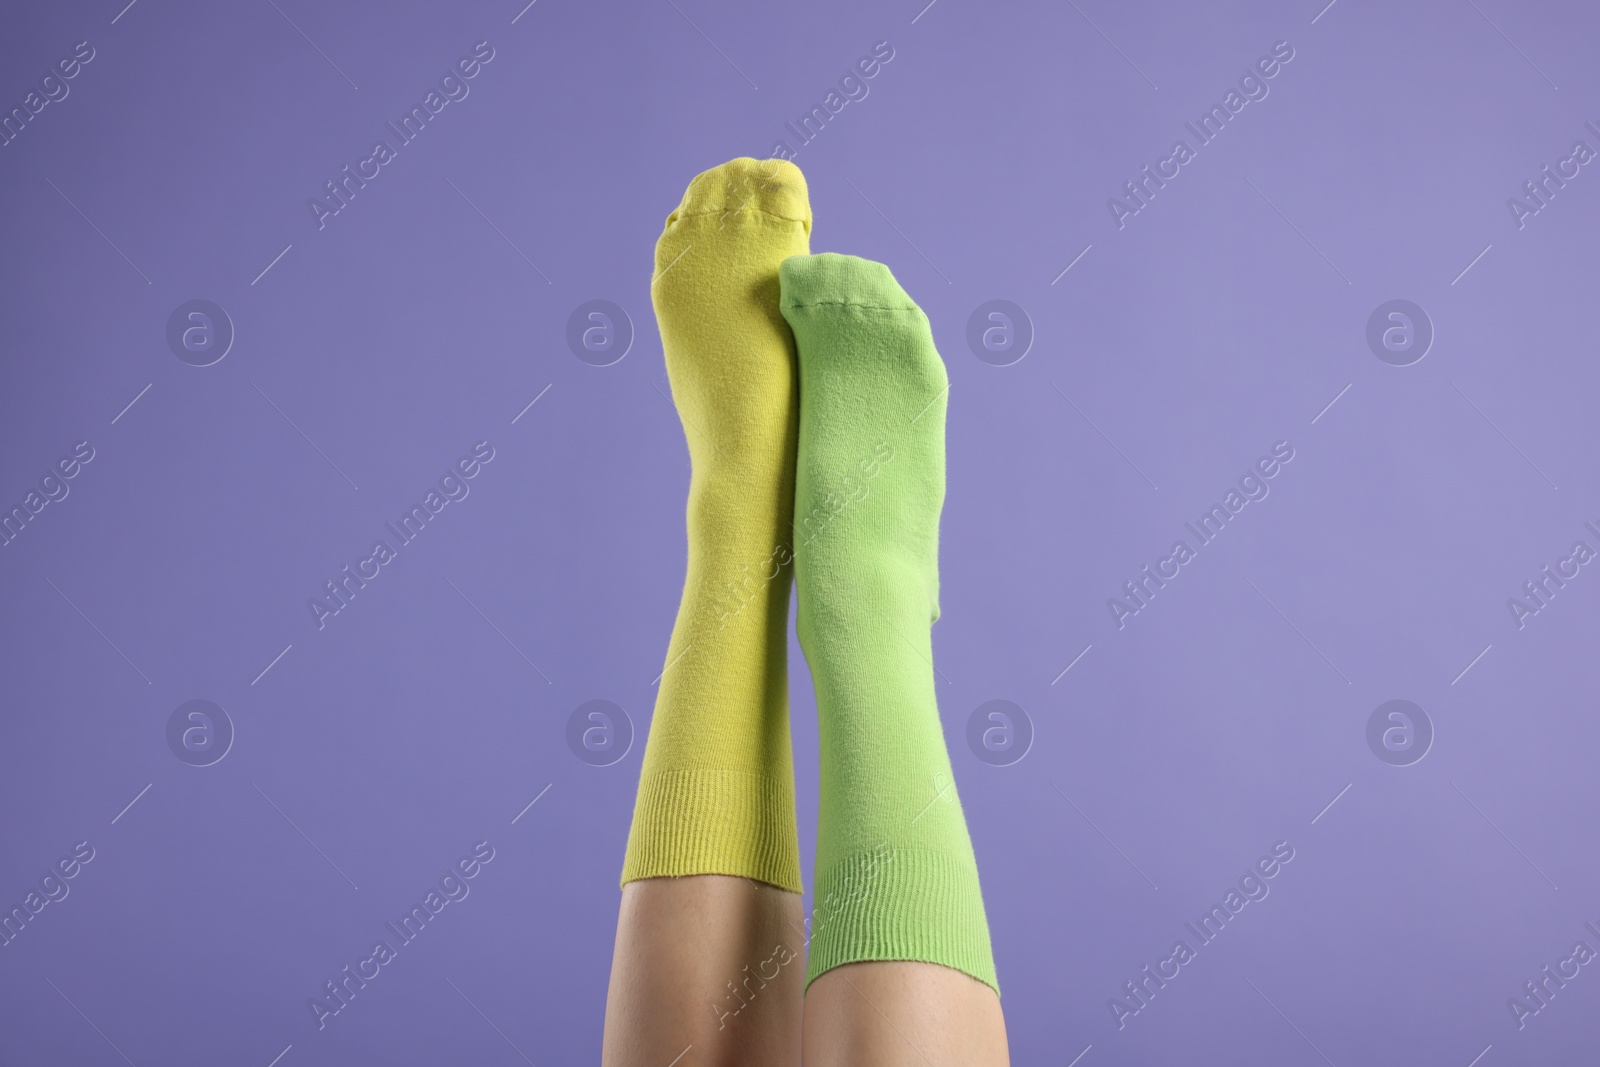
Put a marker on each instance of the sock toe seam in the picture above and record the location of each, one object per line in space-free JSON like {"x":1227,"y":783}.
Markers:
{"x":843,"y":304}
{"x":679,"y":216}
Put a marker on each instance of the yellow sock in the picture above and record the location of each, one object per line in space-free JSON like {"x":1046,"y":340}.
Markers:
{"x":716,"y":792}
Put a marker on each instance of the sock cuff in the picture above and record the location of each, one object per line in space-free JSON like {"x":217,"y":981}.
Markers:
{"x":714,"y":821}
{"x":900,"y":904}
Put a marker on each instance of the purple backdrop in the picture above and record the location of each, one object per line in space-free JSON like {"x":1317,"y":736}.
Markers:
{"x":182,"y":479}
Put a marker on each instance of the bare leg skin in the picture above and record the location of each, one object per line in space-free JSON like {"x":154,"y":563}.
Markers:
{"x":902,"y":1015}
{"x":708,"y":971}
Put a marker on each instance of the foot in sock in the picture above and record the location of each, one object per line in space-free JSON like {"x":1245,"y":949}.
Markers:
{"x":895,"y":875}
{"x":716,"y":792}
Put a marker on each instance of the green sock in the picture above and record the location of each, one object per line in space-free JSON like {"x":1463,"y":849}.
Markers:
{"x":716,"y":792}
{"x":895,"y":877}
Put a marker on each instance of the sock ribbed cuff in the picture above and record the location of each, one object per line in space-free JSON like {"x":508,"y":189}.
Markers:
{"x":900,"y":904}
{"x":714,"y":821}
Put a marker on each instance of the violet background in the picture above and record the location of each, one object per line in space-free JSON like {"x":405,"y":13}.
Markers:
{"x":1223,"y":318}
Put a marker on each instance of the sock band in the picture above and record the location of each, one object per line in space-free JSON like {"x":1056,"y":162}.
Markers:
{"x":899,"y":904}
{"x":716,"y":821}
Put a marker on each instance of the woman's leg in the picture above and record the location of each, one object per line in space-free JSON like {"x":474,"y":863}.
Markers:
{"x":708,"y":970}
{"x":896,"y":877}
{"x":893,"y":1014}
{"x":707,"y":967}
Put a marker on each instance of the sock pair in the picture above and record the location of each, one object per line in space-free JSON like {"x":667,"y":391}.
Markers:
{"x":813,"y":401}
